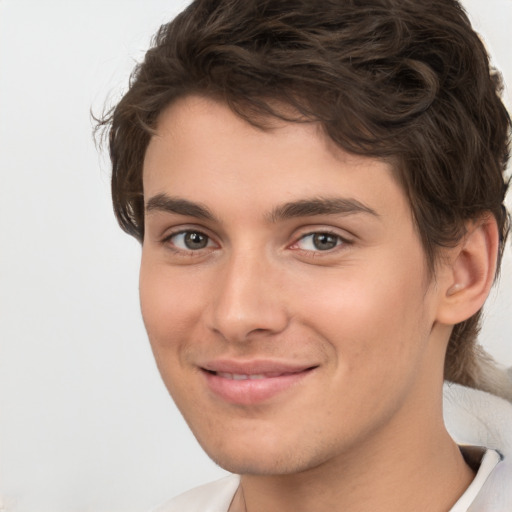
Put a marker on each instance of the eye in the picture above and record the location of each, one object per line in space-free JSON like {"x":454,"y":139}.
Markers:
{"x":319,"y":242}
{"x":190,"y":240}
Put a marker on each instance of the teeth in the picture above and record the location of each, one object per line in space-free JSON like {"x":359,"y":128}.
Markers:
{"x":225,"y":375}
{"x":237,"y":376}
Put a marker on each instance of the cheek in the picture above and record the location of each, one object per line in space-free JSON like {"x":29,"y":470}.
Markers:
{"x":369,"y":318}
{"x":170,"y":308}
{"x":378,"y":337}
{"x":170,"y":312}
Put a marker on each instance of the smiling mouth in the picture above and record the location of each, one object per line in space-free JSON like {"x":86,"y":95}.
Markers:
{"x":253,"y":388}
{"x":254,"y":376}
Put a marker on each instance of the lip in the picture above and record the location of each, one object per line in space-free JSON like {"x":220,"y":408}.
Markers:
{"x":252,"y":382}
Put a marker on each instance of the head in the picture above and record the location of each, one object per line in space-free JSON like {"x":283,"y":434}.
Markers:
{"x":301,"y":175}
{"x":402,"y":81}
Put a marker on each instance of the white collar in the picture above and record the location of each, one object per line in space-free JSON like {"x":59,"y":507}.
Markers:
{"x":490,"y":459}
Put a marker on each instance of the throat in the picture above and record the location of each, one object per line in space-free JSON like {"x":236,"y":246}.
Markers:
{"x":238,"y":503}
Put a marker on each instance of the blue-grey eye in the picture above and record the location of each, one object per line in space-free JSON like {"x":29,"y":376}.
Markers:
{"x":191,"y":240}
{"x":319,"y":242}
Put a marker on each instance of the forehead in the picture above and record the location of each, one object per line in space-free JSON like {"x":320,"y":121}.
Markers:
{"x":201,"y":140}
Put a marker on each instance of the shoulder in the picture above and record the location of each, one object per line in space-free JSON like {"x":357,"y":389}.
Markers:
{"x":478,"y":418}
{"x":211,"y":497}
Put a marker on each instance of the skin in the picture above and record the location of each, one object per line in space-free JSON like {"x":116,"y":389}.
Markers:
{"x":364,"y":314}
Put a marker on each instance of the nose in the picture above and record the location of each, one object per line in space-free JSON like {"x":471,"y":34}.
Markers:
{"x":248,"y":300}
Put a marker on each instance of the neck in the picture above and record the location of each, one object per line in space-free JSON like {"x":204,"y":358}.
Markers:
{"x":405,"y":466}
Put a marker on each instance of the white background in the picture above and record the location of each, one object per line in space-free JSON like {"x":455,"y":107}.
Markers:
{"x":85,"y":423}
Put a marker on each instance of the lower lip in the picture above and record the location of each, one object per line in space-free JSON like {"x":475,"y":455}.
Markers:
{"x":252,"y":391}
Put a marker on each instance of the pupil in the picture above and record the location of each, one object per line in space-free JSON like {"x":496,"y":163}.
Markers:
{"x":195,"y":240}
{"x":324,"y":242}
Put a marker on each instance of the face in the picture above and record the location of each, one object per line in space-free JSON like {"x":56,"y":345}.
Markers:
{"x":284,"y":290}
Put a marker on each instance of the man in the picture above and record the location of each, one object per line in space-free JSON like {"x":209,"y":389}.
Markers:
{"x":318,"y":188}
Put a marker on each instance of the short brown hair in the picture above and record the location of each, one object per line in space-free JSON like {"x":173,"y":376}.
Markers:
{"x":403,"y":80}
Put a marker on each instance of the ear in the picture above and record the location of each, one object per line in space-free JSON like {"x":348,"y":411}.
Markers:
{"x":468,"y":275}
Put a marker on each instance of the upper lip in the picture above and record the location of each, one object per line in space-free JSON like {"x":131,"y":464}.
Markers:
{"x":254,"y":367}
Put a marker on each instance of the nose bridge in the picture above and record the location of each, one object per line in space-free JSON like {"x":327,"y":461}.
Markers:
{"x":246,"y":300}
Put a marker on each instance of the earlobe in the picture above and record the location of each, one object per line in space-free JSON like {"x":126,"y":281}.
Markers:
{"x":470,"y":272}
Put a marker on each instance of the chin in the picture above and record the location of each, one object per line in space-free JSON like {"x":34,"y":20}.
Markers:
{"x":257,"y":464}
{"x":259,"y":458}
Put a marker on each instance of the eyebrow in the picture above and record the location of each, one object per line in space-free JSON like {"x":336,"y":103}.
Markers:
{"x":168,"y":204}
{"x":301,"y":208}
{"x":320,"y":206}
